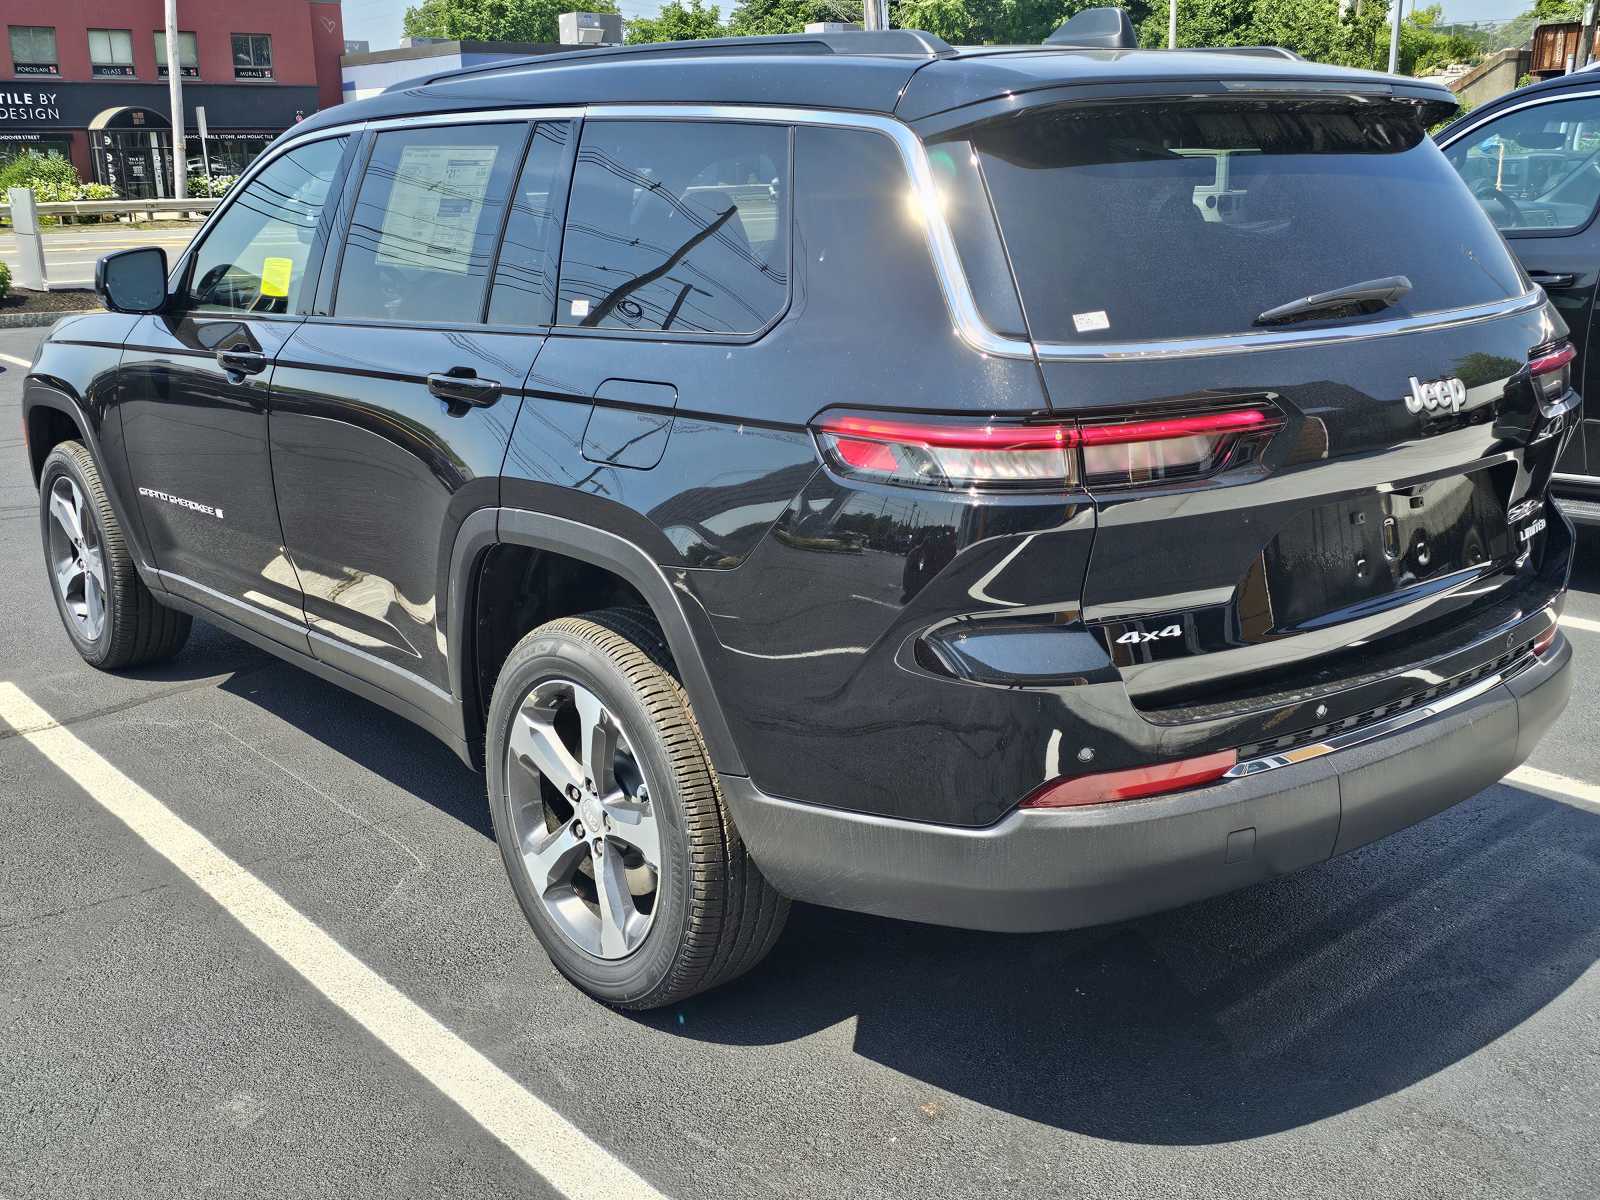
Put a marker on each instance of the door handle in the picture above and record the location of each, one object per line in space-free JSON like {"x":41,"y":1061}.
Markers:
{"x":239,"y":361}
{"x":461,"y":385}
{"x":1553,"y":279}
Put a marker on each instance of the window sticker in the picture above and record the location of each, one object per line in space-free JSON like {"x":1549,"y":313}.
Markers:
{"x":1091,"y":322}
{"x":434,"y":205}
{"x":275,"y":276}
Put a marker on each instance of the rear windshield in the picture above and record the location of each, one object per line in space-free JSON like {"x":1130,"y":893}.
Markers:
{"x":1132,"y":222}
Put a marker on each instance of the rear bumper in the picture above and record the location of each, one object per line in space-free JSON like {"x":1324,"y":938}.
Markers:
{"x":1062,"y":870}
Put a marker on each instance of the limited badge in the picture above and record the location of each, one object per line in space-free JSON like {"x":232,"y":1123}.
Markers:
{"x":275,"y":276}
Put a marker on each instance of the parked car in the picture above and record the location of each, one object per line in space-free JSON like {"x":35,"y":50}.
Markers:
{"x":1015,"y":488}
{"x":1532,"y":158}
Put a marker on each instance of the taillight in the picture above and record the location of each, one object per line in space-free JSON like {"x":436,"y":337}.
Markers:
{"x":1132,"y":784}
{"x":1545,"y":640}
{"x":998,"y":455}
{"x":952,"y":455}
{"x":1552,"y":371}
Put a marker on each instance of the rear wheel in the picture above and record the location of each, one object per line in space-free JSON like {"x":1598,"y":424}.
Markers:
{"x":112,"y":618}
{"x":610,"y":820}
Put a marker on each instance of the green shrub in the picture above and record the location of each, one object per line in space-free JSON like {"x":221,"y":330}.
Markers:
{"x":216,"y":186}
{"x":5,"y":280}
{"x":49,"y":175}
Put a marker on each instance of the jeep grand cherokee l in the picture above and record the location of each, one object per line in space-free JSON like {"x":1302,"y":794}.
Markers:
{"x":1011,"y":488}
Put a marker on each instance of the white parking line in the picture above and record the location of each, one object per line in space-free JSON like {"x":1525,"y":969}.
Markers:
{"x":541,"y":1137}
{"x":14,"y":360}
{"x":1581,"y":623}
{"x":1562,"y":785}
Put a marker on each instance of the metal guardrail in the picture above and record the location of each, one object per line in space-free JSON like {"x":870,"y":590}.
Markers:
{"x":85,"y":208}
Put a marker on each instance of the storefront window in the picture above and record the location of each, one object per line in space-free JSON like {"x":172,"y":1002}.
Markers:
{"x":230,"y":152}
{"x":188,"y":54}
{"x":252,"y":56}
{"x":33,"y":50}
{"x":111,"y":52}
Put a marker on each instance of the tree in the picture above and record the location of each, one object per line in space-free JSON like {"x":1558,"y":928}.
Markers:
{"x":677,"y":23}
{"x":1518,"y":30}
{"x":752,"y":17}
{"x":1007,"y":22}
{"x":1350,"y":35}
{"x":493,"y":20}
{"x":1425,"y":47}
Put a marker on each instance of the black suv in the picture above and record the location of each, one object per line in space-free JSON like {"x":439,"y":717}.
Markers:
{"x":1015,"y":488}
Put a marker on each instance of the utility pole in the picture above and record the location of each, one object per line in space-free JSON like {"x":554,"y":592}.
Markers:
{"x":1394,"y":38}
{"x":1586,"y":46}
{"x":874,"y":14}
{"x":180,"y":153}
{"x":1172,"y":24}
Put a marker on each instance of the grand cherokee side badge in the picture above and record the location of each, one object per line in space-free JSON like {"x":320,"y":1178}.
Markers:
{"x":1437,"y":395}
{"x":180,"y":502}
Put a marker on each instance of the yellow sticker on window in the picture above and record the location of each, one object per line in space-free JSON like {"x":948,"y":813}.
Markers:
{"x":275,"y":274}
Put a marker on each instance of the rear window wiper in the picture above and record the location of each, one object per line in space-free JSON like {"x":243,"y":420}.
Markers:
{"x":1357,"y":299}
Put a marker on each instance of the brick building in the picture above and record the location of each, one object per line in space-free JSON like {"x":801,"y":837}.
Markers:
{"x":88,"y":78}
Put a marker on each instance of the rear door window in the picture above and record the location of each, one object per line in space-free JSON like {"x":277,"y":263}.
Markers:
{"x":524,"y":276}
{"x":422,"y":239}
{"x":1535,"y":169}
{"x":1164,"y":220}
{"x":677,"y":226}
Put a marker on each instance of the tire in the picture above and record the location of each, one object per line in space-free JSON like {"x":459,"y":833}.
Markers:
{"x":113,"y":620}
{"x":711,"y":916}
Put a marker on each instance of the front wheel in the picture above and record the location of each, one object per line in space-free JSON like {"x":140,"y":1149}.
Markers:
{"x":610,"y":820}
{"x":112,"y":618}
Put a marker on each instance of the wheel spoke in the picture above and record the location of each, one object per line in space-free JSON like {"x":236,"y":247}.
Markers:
{"x":634,"y":822}
{"x":64,"y":512}
{"x":615,"y":902}
{"x":552,"y":858}
{"x":597,"y":740}
{"x":94,"y":602}
{"x":68,"y":576}
{"x":536,"y":745}
{"x":94,"y":563}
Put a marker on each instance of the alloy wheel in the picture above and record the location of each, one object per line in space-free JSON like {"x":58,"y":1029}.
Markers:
{"x":77,"y":560}
{"x":583,"y":818}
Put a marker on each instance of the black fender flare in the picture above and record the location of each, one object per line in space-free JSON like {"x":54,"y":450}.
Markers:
{"x":487,"y":527}
{"x":39,"y":392}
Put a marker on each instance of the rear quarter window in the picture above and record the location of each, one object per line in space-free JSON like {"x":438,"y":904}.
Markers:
{"x":677,"y":226}
{"x":1163,"y":220}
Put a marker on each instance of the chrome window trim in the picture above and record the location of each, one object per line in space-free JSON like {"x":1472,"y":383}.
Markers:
{"x":1557,"y":97}
{"x":959,"y":301}
{"x":1242,"y":343}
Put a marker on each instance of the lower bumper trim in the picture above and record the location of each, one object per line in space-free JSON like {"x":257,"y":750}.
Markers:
{"x":1041,"y":869}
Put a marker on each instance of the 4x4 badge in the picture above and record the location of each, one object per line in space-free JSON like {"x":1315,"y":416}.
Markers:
{"x":1134,"y":636}
{"x":1436,"y":395}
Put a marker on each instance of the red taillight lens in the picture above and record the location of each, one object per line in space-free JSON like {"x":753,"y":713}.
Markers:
{"x":925,"y":454}
{"x":1132,"y":784}
{"x":1552,"y":371}
{"x":950,"y":455}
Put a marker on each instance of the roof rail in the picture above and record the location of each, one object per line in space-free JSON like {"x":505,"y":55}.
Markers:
{"x":888,"y":43}
{"x":1254,"y":52}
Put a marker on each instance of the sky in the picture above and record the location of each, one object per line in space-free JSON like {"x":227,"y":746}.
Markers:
{"x":378,"y":21}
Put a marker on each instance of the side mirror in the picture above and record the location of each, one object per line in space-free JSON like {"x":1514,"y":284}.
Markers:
{"x":133,"y":281}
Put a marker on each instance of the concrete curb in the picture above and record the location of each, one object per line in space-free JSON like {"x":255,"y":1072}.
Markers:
{"x":37,"y":319}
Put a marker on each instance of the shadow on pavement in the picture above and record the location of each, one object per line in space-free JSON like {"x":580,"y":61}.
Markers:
{"x":1245,"y":1015}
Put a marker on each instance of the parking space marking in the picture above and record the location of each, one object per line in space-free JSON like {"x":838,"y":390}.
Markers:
{"x":542,"y":1138}
{"x":1582,"y":623}
{"x":12,"y":358}
{"x":1563,"y":785}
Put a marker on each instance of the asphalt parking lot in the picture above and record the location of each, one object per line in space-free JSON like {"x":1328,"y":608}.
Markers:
{"x":1420,"y":1018}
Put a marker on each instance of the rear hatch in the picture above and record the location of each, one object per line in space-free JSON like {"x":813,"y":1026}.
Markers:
{"x":1362,"y":471}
